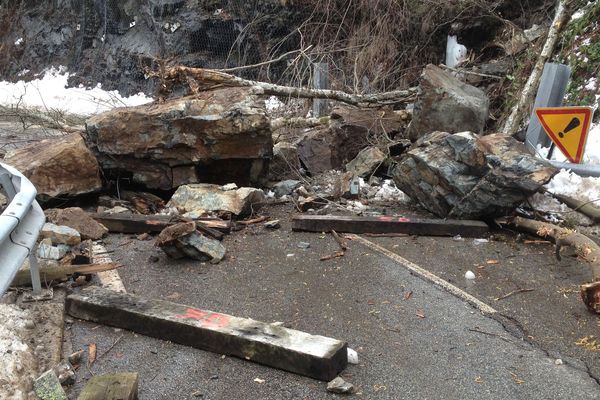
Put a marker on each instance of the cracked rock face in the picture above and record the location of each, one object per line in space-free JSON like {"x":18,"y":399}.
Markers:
{"x":466,"y":176}
{"x":217,"y":136}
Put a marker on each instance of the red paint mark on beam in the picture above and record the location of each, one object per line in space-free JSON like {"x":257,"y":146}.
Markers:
{"x":206,"y":319}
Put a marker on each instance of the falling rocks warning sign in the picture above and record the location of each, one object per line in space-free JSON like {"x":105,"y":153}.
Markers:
{"x":568,"y":128}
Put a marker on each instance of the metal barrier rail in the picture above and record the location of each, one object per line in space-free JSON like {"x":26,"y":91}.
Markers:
{"x":20,"y":225}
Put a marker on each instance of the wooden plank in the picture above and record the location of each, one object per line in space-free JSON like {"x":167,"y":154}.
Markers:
{"x":139,"y":223}
{"x":121,"y":386}
{"x":60,"y":272}
{"x":315,"y":356}
{"x":389,"y":224}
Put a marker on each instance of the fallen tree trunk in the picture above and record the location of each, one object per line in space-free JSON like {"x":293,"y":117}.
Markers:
{"x":198,"y":78}
{"x":514,"y":119}
{"x":585,"y":248}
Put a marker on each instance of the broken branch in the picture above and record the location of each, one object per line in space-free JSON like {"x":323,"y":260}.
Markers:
{"x":586,"y":249}
{"x":210,"y":77}
{"x":513,"y":292}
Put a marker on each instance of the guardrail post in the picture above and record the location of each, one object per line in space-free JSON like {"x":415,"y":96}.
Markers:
{"x":34,"y":269}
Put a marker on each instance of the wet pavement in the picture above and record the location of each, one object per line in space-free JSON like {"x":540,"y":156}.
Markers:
{"x":415,"y":340}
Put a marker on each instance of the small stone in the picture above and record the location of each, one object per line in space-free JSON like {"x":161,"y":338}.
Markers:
{"x":558,"y":361}
{"x":303,"y":245}
{"x":29,"y":324}
{"x":338,"y":385}
{"x":286,"y":188}
{"x":214,"y":377}
{"x":153,"y":259}
{"x":144,"y":236}
{"x":183,"y":240}
{"x":65,"y":373}
{"x":75,"y":358}
{"x":229,"y":186}
{"x":469,"y":275}
{"x":302,"y":192}
{"x":49,"y":252}
{"x":273,"y":224}
{"x":352,"y":356}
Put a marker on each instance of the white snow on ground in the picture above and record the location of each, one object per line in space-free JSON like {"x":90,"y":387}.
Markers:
{"x":51,"y":92}
{"x":273,"y":104}
{"x":19,"y":364}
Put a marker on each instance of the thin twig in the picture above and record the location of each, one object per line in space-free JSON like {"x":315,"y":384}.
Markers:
{"x":464,"y":71}
{"x":111,"y":347}
{"x":513,"y":292}
{"x":281,"y":57}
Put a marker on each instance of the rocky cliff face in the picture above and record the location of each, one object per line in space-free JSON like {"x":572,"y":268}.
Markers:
{"x":113,"y":41}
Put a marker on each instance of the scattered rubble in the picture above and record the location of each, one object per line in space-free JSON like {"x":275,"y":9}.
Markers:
{"x":58,"y":167}
{"x":466,"y":176}
{"x":206,"y":197}
{"x":222,"y":134}
{"x":351,"y":130}
{"x":76,"y":218}
{"x":184,"y":240}
{"x":447,"y":104}
{"x":273,"y":224}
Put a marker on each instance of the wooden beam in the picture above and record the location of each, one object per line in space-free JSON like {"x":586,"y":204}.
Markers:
{"x":315,"y":356}
{"x":60,"y":272}
{"x":388,"y":224}
{"x":139,"y":223}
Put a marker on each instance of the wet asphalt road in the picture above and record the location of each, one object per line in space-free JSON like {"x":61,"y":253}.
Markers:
{"x":415,"y":340}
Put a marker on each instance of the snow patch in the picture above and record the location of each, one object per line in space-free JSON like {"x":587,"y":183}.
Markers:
{"x":51,"y":92}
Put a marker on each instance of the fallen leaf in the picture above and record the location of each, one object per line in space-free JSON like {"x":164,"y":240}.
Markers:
{"x":92,"y":353}
{"x":408,"y":295}
{"x":420,"y":314}
{"x":478,"y":379}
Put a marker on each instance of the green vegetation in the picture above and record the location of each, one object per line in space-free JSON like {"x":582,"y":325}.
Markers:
{"x":579,"y":47}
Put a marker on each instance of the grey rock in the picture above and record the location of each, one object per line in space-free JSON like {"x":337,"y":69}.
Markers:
{"x":365,"y":163}
{"x":466,"y":176}
{"x":447,"y":104}
{"x":60,"y":234}
{"x":273,"y":224}
{"x":286,"y":188}
{"x":183,"y":240}
{"x":338,"y":385}
{"x":303,"y":245}
{"x":205,"y":197}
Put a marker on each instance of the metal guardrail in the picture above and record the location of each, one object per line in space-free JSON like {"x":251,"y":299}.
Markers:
{"x":20,"y":225}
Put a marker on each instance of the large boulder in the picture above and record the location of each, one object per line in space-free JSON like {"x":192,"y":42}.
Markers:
{"x":446,"y":104}
{"x":464,"y":175}
{"x":215,"y":136}
{"x":58,"y":167}
{"x":206,"y":197}
{"x":351,"y":130}
{"x":78,"y":219}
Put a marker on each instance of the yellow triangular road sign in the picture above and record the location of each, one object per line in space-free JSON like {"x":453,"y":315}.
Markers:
{"x":568,"y":128}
